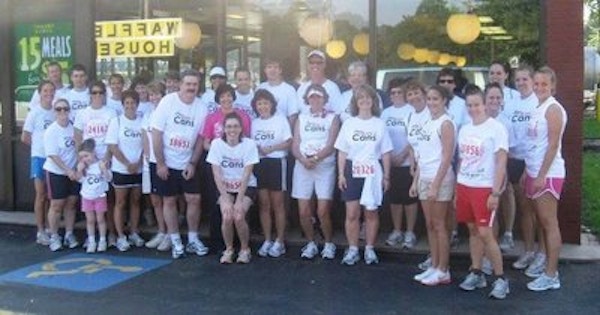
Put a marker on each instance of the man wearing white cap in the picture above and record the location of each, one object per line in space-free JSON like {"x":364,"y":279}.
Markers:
{"x":316,"y":74}
{"x":217,"y":77}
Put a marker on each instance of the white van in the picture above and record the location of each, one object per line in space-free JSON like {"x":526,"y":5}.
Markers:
{"x":428,"y":75}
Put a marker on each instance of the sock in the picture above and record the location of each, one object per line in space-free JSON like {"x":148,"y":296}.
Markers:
{"x":102,"y":238}
{"x":369,"y":247}
{"x":193,"y":237}
{"x":68,"y":233}
{"x":91,"y":239}
{"x":508,"y":233}
{"x":353,"y":248}
{"x":175,"y":238}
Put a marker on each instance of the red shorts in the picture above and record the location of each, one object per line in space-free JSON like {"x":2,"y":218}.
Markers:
{"x":471,"y":205}
{"x":98,"y":204}
{"x":553,"y":186}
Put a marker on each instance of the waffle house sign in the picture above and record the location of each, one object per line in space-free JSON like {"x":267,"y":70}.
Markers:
{"x":137,"y":38}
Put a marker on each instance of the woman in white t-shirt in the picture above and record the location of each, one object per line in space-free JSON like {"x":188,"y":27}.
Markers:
{"x":36,"y":123}
{"x":61,"y":176}
{"x":433,"y":145}
{"x":232,"y":158}
{"x":272,"y":134}
{"x":483,"y":147}
{"x":363,"y":146}
{"x":124,"y":139}
{"x":545,"y":172}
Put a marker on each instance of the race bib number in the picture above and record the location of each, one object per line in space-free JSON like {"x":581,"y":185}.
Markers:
{"x":179,"y":143}
{"x":362,"y":169}
{"x":233,"y":185}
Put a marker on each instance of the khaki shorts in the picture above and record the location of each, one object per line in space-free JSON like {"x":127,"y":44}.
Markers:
{"x":445,"y":192}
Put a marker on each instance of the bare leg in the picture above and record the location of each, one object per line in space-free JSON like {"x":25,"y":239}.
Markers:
{"x":546,"y":209}
{"x":305,"y":218}
{"x":119,"y":213}
{"x":439,"y":213}
{"x":157,"y":204}
{"x":40,"y":204}
{"x":193,"y":211}
{"x":372,"y":223}
{"x":264,"y":210}
{"x":241,"y":225}
{"x":324,"y":213}
{"x":278,"y":207}
{"x":135,"y":194}
{"x":352,"y":224}
{"x":431,"y":236}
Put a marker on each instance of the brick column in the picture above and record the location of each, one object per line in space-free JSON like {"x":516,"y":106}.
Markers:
{"x":562,"y":43}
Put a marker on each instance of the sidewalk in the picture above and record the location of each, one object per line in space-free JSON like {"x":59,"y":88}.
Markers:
{"x":588,"y":251}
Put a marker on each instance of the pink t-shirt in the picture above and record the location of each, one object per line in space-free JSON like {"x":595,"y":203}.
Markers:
{"x":213,"y":127}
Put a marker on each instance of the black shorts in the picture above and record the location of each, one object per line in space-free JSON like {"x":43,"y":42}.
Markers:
{"x":126,"y":180}
{"x":271,"y":174}
{"x":60,"y":186}
{"x":354,"y":186}
{"x":400,"y":182}
{"x":514,"y":170}
{"x":175,"y":184}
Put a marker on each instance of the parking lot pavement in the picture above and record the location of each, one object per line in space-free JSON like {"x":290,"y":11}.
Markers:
{"x":146,"y":282}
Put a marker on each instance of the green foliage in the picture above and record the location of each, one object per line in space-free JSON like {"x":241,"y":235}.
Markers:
{"x":591,"y":198}
{"x":591,"y":128}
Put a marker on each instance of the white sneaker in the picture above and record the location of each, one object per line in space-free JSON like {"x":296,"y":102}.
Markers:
{"x":426,"y":264}
{"x":328,"y":251}
{"x":473,"y":281}
{"x":122,"y":244}
{"x":277,"y":249}
{"x":351,"y":257}
{"x":544,"y":282}
{"x":424,"y":274}
{"x":370,"y":256}
{"x":55,"y":243}
{"x":70,"y":241}
{"x":91,"y":247}
{"x":244,"y":257}
{"x":309,"y":251}
{"x":524,"y":260}
{"x":500,"y":289}
{"x":437,"y":277}
{"x":196,"y":247}
{"x":136,"y":240}
{"x":410,"y":240}
{"x":537,"y":267}
{"x":177,"y":249}
{"x":395,"y":238}
{"x":102,"y":245}
{"x":42,"y":238}
{"x":165,"y":245}
{"x":263,"y":251}
{"x":507,"y":242}
{"x":155,"y":241}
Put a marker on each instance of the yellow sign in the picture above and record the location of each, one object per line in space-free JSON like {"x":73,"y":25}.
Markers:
{"x":94,"y":266}
{"x":137,"y":38}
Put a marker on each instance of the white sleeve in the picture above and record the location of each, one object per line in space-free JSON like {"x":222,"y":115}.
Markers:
{"x":50,"y":142}
{"x":386,"y":141}
{"x":251,"y":155}
{"x":159,"y":118}
{"x":29,"y":124}
{"x":35,"y":100}
{"x":112,"y":135}
{"x":501,"y":138}
{"x":213,"y":156}
{"x":340,"y":142}
{"x":286,"y":130}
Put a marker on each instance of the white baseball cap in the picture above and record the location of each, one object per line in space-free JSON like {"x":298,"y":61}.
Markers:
{"x":312,"y":92}
{"x":316,"y":53}
{"x":217,"y":71}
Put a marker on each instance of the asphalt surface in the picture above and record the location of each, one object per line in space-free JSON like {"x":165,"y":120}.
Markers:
{"x":288,"y":285}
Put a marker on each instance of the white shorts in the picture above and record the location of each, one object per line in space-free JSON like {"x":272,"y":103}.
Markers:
{"x":146,"y":183}
{"x":320,"y":180}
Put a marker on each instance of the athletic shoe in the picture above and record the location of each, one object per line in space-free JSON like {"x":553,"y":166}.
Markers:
{"x":473,"y":281}
{"x":155,"y":240}
{"x":437,"y":277}
{"x":165,"y":245}
{"x":91,"y":247}
{"x":426,"y":264}
{"x":177,"y":249}
{"x":486,"y":266}
{"x":70,"y":241}
{"x":136,"y":240}
{"x":42,"y":238}
{"x":544,"y":282}
{"x":351,"y":257}
{"x":243,"y":256}
{"x":370,"y":256}
{"x":410,"y":240}
{"x":454,"y":240}
{"x":122,"y":244}
{"x":537,"y":267}
{"x":196,"y":247}
{"x":277,"y":249}
{"x":55,"y":243}
{"x":524,"y":260}
{"x":227,"y":257}
{"x":499,"y":289}
{"x":328,"y":251}
{"x":395,"y":238}
{"x":112,"y":240}
{"x":102,"y":245}
{"x":424,"y":274}
{"x":309,"y":251}
{"x":263,"y":251}
{"x":507,"y":242}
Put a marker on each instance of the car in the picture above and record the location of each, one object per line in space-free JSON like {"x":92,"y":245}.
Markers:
{"x":428,"y":75}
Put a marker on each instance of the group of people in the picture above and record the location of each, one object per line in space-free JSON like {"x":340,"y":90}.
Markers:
{"x":477,"y":157}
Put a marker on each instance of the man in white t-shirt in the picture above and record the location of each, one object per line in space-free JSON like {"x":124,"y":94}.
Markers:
{"x":243,"y":91}
{"x":217,"y":77}
{"x":316,"y":75}
{"x":79,"y":95}
{"x":177,"y":147}
{"x":55,"y":76}
{"x":116,"y":82}
{"x":357,"y":76}
{"x":284,"y":93}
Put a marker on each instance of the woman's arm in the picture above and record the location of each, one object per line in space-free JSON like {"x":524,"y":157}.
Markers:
{"x":329,"y":147}
{"x":448,"y":146}
{"x":555,"y":124}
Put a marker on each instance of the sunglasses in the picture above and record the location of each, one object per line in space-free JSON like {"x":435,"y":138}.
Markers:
{"x":445,"y":81}
{"x":97,"y":92}
{"x":62,"y":109}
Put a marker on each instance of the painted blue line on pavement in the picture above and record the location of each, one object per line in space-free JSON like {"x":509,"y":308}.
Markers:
{"x":83,"y":273}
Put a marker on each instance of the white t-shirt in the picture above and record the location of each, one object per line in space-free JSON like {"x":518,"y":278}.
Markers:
{"x":477,"y":146}
{"x":93,"y":123}
{"x":116,"y":105}
{"x":457,"y":110}
{"x":148,"y":129}
{"x":36,"y":101}
{"x":127,"y":135}
{"x":78,"y":100}
{"x":510,"y":94}
{"x":396,"y":124}
{"x":208,"y":99}
{"x":519,"y":112}
{"x":314,"y":133}
{"x":428,"y":151}
{"x":233,"y":160}
{"x":59,"y":141}
{"x":271,"y":131}
{"x":335,"y":97}
{"x":344,"y":109}
{"x":537,"y":140}
{"x":36,"y":123}
{"x":286,"y":97}
{"x":244,"y":103}
{"x":93,"y":183}
{"x":180,"y":124}
{"x":416,"y":121}
{"x":144,"y":108}
{"x":364,"y":140}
